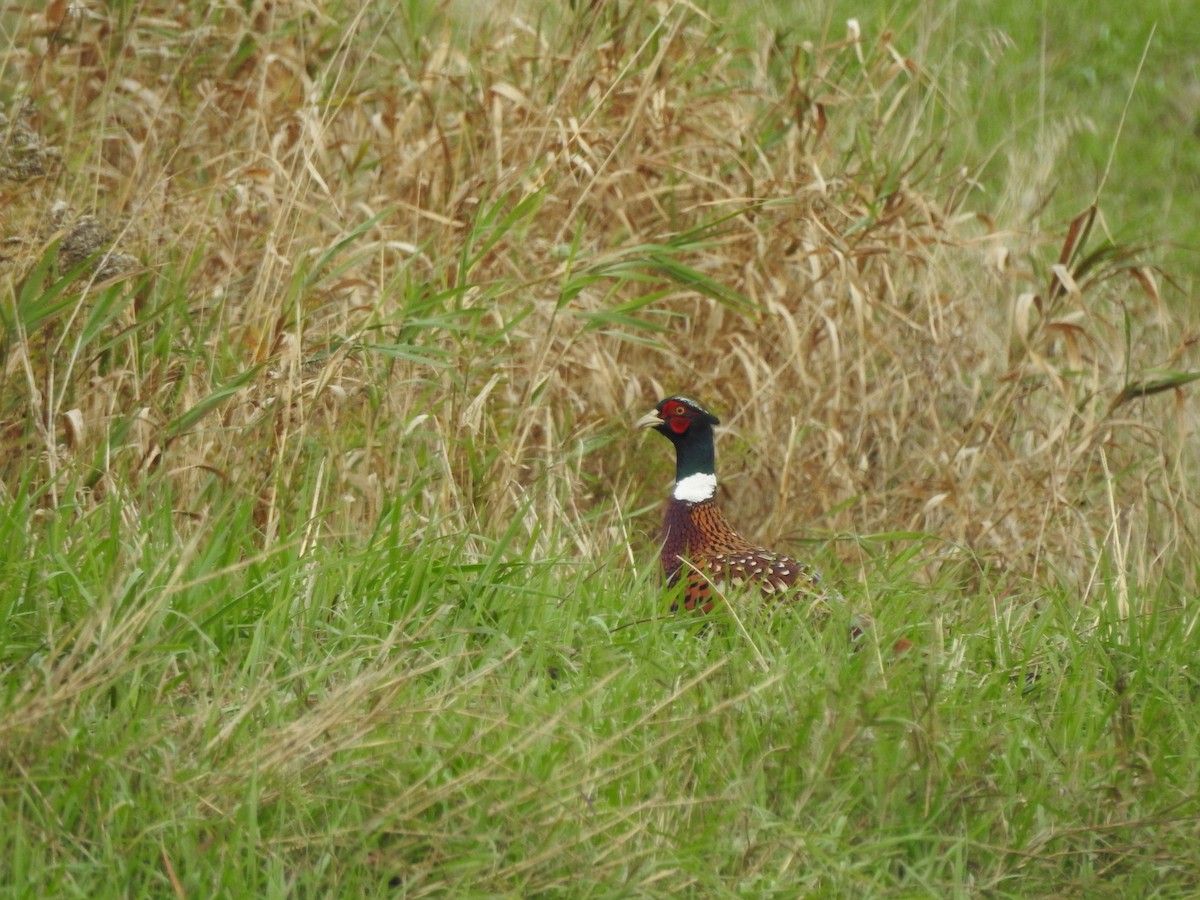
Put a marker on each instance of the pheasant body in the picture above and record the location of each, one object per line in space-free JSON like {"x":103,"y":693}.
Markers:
{"x":700,"y":547}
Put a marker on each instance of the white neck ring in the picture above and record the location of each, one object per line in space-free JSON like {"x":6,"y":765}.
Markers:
{"x":696,"y":488}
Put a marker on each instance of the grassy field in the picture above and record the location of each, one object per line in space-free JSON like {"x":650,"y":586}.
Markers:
{"x":330,"y":561}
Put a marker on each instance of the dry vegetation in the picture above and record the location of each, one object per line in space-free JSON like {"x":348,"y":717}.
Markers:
{"x":468,"y":263}
{"x":413,"y":279}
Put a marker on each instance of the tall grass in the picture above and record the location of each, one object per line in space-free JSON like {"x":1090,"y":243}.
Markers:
{"x":330,"y":556}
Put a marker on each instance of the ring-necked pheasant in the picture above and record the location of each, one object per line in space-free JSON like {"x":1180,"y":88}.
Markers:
{"x":700,"y":547}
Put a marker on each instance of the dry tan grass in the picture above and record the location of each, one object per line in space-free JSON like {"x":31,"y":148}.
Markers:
{"x":542,"y":256}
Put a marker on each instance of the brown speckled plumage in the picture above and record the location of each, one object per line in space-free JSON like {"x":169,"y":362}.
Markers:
{"x":702,"y":549}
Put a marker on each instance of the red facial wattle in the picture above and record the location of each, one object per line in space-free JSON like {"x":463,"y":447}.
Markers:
{"x":678,"y":424}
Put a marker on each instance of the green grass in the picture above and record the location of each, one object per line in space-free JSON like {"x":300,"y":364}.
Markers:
{"x":330,"y":559}
{"x":346,"y":724}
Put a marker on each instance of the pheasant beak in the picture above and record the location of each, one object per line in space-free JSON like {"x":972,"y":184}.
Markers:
{"x":649,"y":420}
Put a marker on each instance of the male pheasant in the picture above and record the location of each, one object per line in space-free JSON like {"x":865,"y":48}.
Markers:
{"x":700,"y":547}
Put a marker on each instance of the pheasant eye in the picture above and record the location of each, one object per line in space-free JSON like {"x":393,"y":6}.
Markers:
{"x":680,"y":411}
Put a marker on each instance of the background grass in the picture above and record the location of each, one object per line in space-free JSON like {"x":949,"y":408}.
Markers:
{"x":1053,"y":104}
{"x":330,"y":557}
